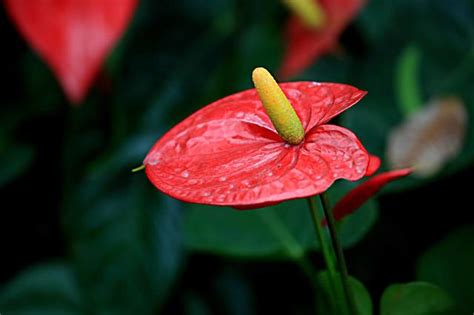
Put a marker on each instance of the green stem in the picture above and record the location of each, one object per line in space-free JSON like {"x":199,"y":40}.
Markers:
{"x":328,"y":257}
{"x":326,"y":250}
{"x":339,"y":254}
{"x":138,"y":169}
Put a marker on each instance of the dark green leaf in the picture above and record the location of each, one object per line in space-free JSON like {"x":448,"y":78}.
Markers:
{"x":126,"y":237}
{"x":284,"y":230}
{"x":416,"y":298}
{"x":361,"y":296}
{"x":127,"y":246}
{"x":449,"y":264}
{"x":49,"y":289}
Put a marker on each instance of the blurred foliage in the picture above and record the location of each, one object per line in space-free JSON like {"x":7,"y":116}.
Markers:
{"x":416,"y":298}
{"x":448,"y":264}
{"x":45,"y":289}
{"x":128,"y":249}
{"x":280,"y":231}
{"x":362,"y":297}
{"x":443,"y":36}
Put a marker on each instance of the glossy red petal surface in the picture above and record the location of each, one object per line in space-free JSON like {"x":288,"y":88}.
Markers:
{"x":362,"y":193}
{"x":72,"y":36}
{"x":328,"y":100}
{"x":228,"y":153}
{"x":305,"y":45}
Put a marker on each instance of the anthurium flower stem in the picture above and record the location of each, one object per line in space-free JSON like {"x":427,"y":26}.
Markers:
{"x":138,"y":169}
{"x":339,"y":254}
{"x":326,"y":250}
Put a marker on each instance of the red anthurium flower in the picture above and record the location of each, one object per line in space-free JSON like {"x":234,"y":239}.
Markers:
{"x":72,"y":36}
{"x":306,"y":43}
{"x":231,"y":153}
{"x":362,"y":193}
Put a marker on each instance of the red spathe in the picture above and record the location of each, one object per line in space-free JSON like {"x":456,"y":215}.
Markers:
{"x":229,"y":154}
{"x":362,"y":193}
{"x":304,"y":45}
{"x":72,"y":36}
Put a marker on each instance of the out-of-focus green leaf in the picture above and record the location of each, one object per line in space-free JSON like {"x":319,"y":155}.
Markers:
{"x":283,"y":231}
{"x":416,"y":298}
{"x":14,"y":161}
{"x":378,"y":17}
{"x":253,"y":233}
{"x":126,"y":237}
{"x":127,"y":246}
{"x":162,"y":78}
{"x":407,"y":83}
{"x":252,"y":50}
{"x":248,"y":51}
{"x":49,"y":289}
{"x":361,"y":296}
{"x":449,"y":264}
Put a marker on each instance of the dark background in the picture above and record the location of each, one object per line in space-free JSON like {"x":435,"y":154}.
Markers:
{"x":71,"y":205}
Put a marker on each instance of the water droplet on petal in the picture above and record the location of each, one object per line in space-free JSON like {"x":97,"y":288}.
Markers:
{"x":246,"y":183}
{"x":185,"y":174}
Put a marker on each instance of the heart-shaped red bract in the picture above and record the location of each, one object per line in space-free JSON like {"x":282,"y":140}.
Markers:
{"x":362,"y":193}
{"x":229,"y":154}
{"x":304,"y":45}
{"x":72,"y":36}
